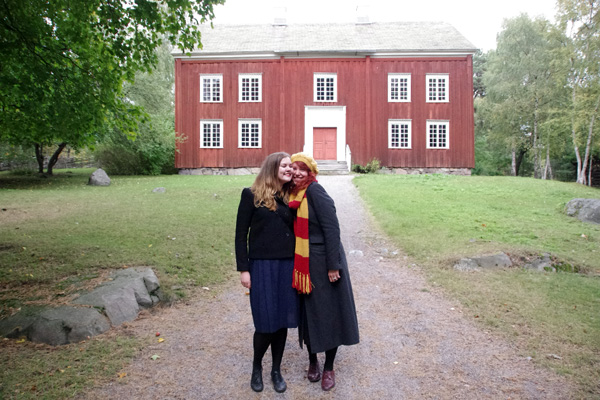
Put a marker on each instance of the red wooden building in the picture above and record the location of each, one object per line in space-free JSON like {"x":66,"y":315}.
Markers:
{"x":399,"y":92}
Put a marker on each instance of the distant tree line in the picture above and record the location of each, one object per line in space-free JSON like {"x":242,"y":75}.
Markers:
{"x":537,"y":96}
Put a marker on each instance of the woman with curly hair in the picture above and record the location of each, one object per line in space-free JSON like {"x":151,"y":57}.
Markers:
{"x":264,"y":247}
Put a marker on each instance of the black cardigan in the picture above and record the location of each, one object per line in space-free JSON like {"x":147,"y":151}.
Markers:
{"x":271,"y":233}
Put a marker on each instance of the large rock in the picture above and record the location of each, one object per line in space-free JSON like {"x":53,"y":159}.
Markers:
{"x":586,"y":210}
{"x":121,"y":306}
{"x":56,"y":326}
{"x":99,"y":178}
{"x":500,"y":260}
{"x":122,"y":297}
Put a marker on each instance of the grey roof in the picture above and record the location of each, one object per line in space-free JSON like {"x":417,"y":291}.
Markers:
{"x":380,"y":37}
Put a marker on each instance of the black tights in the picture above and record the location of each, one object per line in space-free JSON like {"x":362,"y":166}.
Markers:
{"x":262,"y":341}
{"x":329,"y":358}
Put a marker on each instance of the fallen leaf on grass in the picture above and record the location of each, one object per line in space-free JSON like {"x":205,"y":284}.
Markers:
{"x":122,"y":375}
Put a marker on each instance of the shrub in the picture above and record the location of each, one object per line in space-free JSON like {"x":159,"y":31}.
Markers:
{"x":370,"y":168}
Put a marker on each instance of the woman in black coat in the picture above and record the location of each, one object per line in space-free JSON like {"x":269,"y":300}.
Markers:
{"x":327,"y":310}
{"x":264,"y":248}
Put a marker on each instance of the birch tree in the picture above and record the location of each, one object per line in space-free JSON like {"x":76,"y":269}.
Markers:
{"x":580,"y":20}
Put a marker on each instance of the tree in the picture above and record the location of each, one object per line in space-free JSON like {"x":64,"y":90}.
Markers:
{"x":581,"y":22}
{"x":517,"y":83}
{"x":479,"y":67}
{"x":152,"y":152}
{"x":64,"y":64}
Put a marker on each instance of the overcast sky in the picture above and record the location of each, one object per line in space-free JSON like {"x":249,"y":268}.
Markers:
{"x":479,"y":21}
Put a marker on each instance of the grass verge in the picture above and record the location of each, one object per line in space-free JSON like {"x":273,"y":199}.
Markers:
{"x":552,"y":317}
{"x":60,"y":236}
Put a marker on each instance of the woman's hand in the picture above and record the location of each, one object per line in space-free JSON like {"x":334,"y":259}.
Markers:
{"x":334,"y":275}
{"x":245,"y":278}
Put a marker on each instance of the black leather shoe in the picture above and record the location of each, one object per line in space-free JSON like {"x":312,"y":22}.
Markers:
{"x":256,"y":382}
{"x":278,"y":382}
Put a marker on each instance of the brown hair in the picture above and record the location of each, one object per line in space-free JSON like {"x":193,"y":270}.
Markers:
{"x":267,"y":186}
{"x":312,"y":177}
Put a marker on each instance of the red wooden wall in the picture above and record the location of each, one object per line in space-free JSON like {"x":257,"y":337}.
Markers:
{"x":362,"y":88}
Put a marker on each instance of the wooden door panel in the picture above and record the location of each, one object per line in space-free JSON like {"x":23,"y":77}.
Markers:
{"x":325,"y":143}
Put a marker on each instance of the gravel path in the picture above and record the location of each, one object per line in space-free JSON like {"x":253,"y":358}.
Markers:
{"x":415,"y":343}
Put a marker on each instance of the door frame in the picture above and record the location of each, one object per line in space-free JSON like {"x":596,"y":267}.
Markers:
{"x":325,"y":117}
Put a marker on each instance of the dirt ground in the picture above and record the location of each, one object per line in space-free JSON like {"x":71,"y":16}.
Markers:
{"x":415,"y":343}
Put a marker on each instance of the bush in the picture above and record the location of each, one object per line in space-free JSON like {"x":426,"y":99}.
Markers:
{"x":370,"y":168}
{"x":151,"y":153}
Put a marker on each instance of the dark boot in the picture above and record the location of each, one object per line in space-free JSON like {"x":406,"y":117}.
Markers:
{"x":256,"y":382}
{"x":278,"y":382}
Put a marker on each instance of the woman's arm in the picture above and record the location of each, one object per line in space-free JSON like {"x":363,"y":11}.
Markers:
{"x":242,"y":227}
{"x":324,"y":207}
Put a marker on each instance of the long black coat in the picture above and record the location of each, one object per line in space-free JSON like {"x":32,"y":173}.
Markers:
{"x":330,"y":313}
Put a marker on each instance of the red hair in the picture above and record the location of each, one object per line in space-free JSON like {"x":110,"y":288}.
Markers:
{"x":310,"y":178}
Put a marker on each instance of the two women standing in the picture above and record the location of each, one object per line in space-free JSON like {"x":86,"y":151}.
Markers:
{"x":310,"y":261}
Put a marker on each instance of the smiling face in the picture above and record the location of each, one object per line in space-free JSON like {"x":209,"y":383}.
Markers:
{"x":285,"y":172}
{"x":300,"y":174}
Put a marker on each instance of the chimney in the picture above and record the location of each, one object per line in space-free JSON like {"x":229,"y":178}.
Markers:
{"x":279,"y":16}
{"x":362,"y":15}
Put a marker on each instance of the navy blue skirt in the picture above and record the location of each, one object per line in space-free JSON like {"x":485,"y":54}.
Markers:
{"x":273,"y":300}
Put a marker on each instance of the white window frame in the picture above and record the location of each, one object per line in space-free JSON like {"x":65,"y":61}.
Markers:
{"x":251,"y":77}
{"x":323,"y":75}
{"x":211,"y":144}
{"x":446,"y":133}
{"x":408,"y":124}
{"x":436,"y":79}
{"x":399,"y":76}
{"x":213,"y":91}
{"x":241,"y":123}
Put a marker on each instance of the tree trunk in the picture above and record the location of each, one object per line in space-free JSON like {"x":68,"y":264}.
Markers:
{"x":513,"y":163}
{"x":519,"y":160}
{"x":588,"y":144}
{"x":548,"y":167}
{"x":53,"y":160}
{"x":39,"y":156}
{"x":574,"y":134}
{"x":536,"y":150}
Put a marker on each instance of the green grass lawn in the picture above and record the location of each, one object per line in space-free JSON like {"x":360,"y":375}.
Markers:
{"x":60,"y":235}
{"x":437,"y":219}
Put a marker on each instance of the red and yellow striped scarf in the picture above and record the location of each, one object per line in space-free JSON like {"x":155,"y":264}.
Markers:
{"x":301,"y":280}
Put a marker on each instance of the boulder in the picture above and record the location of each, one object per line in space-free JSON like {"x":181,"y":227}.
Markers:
{"x":121,"y":299}
{"x":56,"y":326}
{"x":542,"y":264}
{"x":99,"y":178}
{"x":121,"y":306}
{"x":586,"y":210}
{"x":500,"y":260}
{"x":134,"y":278}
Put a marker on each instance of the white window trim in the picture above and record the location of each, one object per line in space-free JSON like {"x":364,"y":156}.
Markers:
{"x":242,"y":121}
{"x":439,"y":122}
{"x":250,"y":76}
{"x":408,"y":93}
{"x":437,"y":76}
{"x":211,"y":76}
{"x":400,"y":121}
{"x":211,"y":121}
{"x":325,"y":75}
